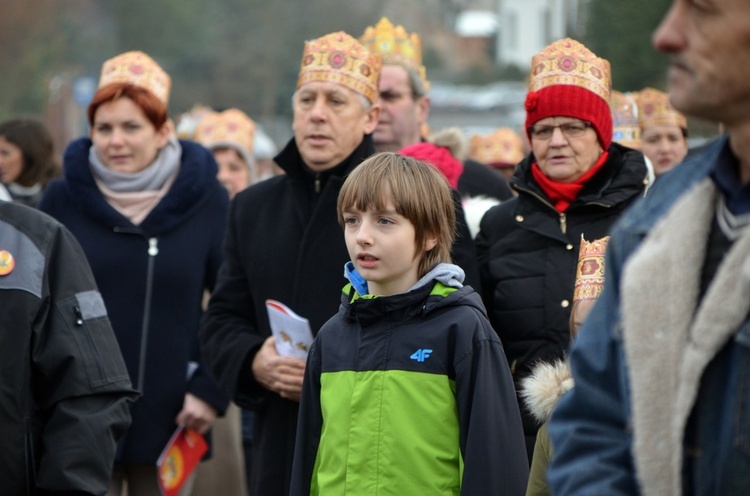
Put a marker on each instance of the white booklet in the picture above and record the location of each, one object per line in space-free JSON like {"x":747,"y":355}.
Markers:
{"x":291,"y":332}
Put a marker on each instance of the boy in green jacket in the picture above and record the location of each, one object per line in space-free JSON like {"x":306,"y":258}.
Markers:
{"x":407,"y":389}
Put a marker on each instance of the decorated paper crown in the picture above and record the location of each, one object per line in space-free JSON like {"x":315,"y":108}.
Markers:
{"x":138,"y":69}
{"x":396,"y":46}
{"x":626,"y":128}
{"x":654,"y":109}
{"x":339,"y":58}
{"x":503,"y":148}
{"x":568,"y":80}
{"x":569,"y":62}
{"x":590,"y":271}
{"x":231,"y":128}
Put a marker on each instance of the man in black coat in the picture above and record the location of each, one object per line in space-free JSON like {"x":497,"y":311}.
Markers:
{"x":284,"y":243}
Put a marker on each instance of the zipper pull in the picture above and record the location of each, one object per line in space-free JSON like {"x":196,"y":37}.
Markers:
{"x":563,"y":223}
{"x":317,"y":182}
{"x":152,"y":248}
{"x":79,"y":315}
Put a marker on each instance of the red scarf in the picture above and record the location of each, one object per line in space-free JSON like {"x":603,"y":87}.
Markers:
{"x":563,"y":194}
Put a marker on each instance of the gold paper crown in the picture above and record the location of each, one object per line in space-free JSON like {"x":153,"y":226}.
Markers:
{"x":626,"y":128}
{"x":567,"y":61}
{"x":654,"y":109}
{"x":339,"y":58}
{"x":396,"y":46}
{"x":231,"y":128}
{"x":138,"y":69}
{"x":504,"y":146}
{"x":590,"y":271}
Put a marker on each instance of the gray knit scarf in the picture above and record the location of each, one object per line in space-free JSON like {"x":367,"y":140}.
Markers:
{"x":152,"y":178}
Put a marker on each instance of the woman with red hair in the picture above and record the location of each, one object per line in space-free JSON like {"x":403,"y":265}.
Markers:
{"x":150,"y":216}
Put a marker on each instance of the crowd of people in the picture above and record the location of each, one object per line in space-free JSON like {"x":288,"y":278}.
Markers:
{"x":442,"y":279}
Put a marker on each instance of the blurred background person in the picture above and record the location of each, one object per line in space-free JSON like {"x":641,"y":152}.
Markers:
{"x":626,"y":127}
{"x":445,"y":150}
{"x":404,"y":98}
{"x":264,"y":151}
{"x":575,"y":183}
{"x":150,"y":215}
{"x":664,"y":130}
{"x":230,"y":135}
{"x":502,"y":151}
{"x":27,"y":160}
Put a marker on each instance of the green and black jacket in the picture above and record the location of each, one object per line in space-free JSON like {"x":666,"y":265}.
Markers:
{"x":409,"y":395}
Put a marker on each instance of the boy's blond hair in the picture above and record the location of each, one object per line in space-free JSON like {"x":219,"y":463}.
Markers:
{"x":419,"y":192}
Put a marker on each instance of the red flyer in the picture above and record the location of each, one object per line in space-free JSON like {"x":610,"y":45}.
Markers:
{"x":180,"y":456}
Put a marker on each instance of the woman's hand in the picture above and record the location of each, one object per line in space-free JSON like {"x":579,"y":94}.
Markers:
{"x":197,"y":414}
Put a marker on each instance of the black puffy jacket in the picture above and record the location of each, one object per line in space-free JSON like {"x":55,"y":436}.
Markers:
{"x":528,"y":253}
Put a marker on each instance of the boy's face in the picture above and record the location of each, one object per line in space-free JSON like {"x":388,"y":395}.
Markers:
{"x":382,"y":246}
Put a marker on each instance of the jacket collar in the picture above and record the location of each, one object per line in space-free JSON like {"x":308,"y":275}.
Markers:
{"x":405,"y":306}
{"x":290,"y":160}
{"x":622,"y":176}
{"x":687,"y":339}
{"x":194,"y":183}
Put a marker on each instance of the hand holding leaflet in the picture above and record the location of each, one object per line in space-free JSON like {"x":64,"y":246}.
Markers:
{"x":291,"y":332}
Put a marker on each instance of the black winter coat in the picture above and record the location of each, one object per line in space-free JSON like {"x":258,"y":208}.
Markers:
{"x":284,"y":242}
{"x":65,"y":388}
{"x":152,"y":277}
{"x":528,"y":253}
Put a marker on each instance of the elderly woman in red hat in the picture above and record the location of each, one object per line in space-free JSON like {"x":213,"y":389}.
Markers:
{"x":575,"y":182}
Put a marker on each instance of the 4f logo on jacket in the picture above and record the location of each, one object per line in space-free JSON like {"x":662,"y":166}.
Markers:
{"x":421,"y":355}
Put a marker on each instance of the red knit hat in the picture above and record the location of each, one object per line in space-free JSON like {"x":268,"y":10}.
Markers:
{"x":568,"y":80}
{"x":438,"y":156}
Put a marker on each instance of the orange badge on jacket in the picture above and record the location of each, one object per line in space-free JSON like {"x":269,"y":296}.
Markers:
{"x":7,"y":263}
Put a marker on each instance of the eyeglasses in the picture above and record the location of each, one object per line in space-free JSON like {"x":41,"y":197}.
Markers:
{"x":569,"y":129}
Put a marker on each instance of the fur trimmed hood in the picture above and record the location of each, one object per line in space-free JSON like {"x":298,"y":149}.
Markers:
{"x":543,"y":388}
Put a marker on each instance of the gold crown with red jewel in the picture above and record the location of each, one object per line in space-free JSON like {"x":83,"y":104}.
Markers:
{"x":503,"y":147}
{"x":654,"y":109}
{"x":626,"y":128}
{"x":339,"y":58}
{"x":138,"y":69}
{"x":590,"y":271}
{"x":569,"y":62}
{"x":231,"y":128}
{"x":396,"y":46}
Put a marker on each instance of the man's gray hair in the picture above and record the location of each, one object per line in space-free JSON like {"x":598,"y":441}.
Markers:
{"x":418,"y":89}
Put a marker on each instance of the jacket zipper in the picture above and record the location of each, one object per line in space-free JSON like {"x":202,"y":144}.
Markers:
{"x":563,"y":217}
{"x":317,"y":182}
{"x":153,"y":250}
